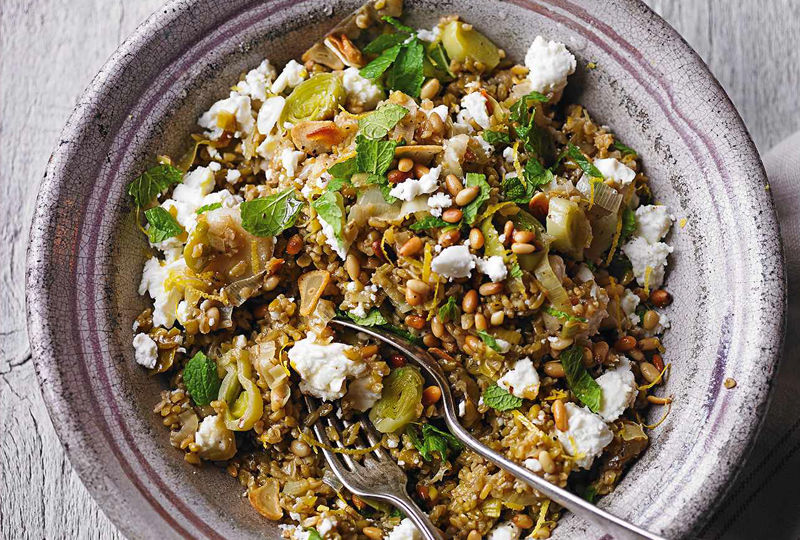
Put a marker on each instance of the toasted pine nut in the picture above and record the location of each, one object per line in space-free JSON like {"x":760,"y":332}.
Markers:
{"x":660,"y":298}
{"x":650,"y":319}
{"x":559,"y":344}
{"x":431,"y":395}
{"x":625,"y":344}
{"x":453,"y":184}
{"x":415,"y":321}
{"x":411,"y":247}
{"x":649,"y":372}
{"x":368,"y":351}
{"x":523,"y":521}
{"x":449,"y":238}
{"x":547,"y":462}
{"x":397,"y":176}
{"x":539,"y":205}
{"x":600,"y":350}
{"x":430,"y":89}
{"x":374,"y":533}
{"x":473,"y":343}
{"x":657,"y":361}
{"x":467,"y":195}
{"x":429,"y":340}
{"x":437,"y":327}
{"x":474,"y":535}
{"x":508,"y":231}
{"x":452,"y":215}
{"x":418,"y":286}
{"x":480,"y":322}
{"x":560,"y":415}
{"x":413,"y":298}
{"x":554,"y":369}
{"x":405,"y":164}
{"x":648,"y":344}
{"x":353,"y":266}
{"x":470,"y":301}
{"x":420,"y":169}
{"x":488,"y":289}
{"x":294,"y":245}
{"x":475,"y":239}
{"x":524,"y":237}
{"x":522,"y":249}
{"x":497,"y":318}
{"x":588,"y":357}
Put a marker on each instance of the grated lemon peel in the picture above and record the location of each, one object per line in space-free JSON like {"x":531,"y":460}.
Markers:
{"x":661,"y":421}
{"x":647,"y":271}
{"x":542,"y":518}
{"x":614,"y":243}
{"x":658,"y":379}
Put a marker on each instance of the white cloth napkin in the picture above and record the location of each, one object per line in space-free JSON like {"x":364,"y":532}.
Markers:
{"x":764,"y":502}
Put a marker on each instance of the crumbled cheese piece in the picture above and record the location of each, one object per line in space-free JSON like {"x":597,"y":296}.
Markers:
{"x":550,"y":63}
{"x":291,"y":160}
{"x":361,"y":92}
{"x":454,"y":262}
{"x":429,"y":35}
{"x":325,"y":526}
{"x":475,"y":103}
{"x":619,"y":391}
{"x":232,"y":176}
{"x":323,"y":368}
{"x":238,"y":106}
{"x":462,"y":125}
{"x":269,"y":113}
{"x":187,"y":197}
{"x":257,"y":81}
{"x":441,"y":110}
{"x":652,"y":223}
{"x":504,"y":531}
{"x":165,"y":303}
{"x":215,"y":166}
{"x":292,"y":75}
{"x":663,"y":324}
{"x":533,"y":464}
{"x":146,"y":351}
{"x":360,"y":396}
{"x":438,"y":202}
{"x":340,"y":247}
{"x":406,"y":530}
{"x":487,"y":148}
{"x":587,"y":435}
{"x":213,"y":436}
{"x":266,"y":150}
{"x":643,"y":256}
{"x":494,"y":267}
{"x":508,"y":154}
{"x":522,"y":381}
{"x":628,"y":302}
{"x":462,"y":408}
{"x":613,"y":169}
{"x":411,"y":188}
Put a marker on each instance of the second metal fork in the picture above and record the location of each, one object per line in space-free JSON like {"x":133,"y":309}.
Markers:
{"x":377,"y":477}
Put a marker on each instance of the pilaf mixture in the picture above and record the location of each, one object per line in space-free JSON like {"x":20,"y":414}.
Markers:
{"x":420,"y":181}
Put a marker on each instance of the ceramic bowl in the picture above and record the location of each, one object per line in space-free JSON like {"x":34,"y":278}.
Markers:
{"x":86,"y":255}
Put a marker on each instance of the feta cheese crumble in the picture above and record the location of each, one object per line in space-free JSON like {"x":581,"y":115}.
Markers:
{"x":454,"y":262}
{"x":644,"y":256}
{"x":323,"y":368}
{"x":165,"y":302}
{"x":522,"y":381}
{"x":232,"y":176}
{"x":438,"y":202}
{"x":340,"y":247}
{"x":442,"y":111}
{"x":360,"y":396}
{"x":361,"y":93}
{"x":236,"y":106}
{"x":429,"y":35}
{"x":613,"y":169}
{"x":586,"y":436}
{"x":475,"y":103}
{"x":292,"y":75}
{"x":619,"y":390}
{"x":652,"y":223}
{"x":504,"y":531}
{"x":257,"y":81}
{"x":146,"y":351}
{"x":213,"y":436}
{"x":405,"y":530}
{"x":290,"y":159}
{"x":550,"y":63}
{"x":411,"y":188}
{"x":628,"y":302}
{"x":269,"y":113}
{"x":494,"y":267}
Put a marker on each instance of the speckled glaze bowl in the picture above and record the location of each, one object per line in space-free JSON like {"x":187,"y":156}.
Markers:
{"x":86,"y":255}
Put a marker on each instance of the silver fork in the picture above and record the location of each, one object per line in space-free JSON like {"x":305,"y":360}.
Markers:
{"x":617,"y":527}
{"x":377,"y":477}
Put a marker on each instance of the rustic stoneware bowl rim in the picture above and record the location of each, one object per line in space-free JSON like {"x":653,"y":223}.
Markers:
{"x":44,"y":329}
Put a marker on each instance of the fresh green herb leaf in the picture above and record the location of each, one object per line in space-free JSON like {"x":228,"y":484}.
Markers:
{"x":433,"y":440}
{"x":449,"y":311}
{"x":533,"y":138}
{"x":313,"y":534}
{"x":440,"y":62}
{"x":396,"y":513}
{"x":377,"y":67}
{"x":344,"y":169}
{"x":209,"y":207}
{"x":152,"y":183}
{"x":536,"y":175}
{"x":383,"y":184}
{"x":330,"y":208}
{"x":512,"y":189}
{"x":500,"y":399}
{"x":385,"y":41}
{"x":582,"y":162}
{"x":489,"y":340}
{"x":563,"y":315}
{"x":428,"y":222}
{"x":579,"y":381}
{"x":520,"y":111}
{"x":626,"y":150}
{"x":524,"y":221}
{"x":374,"y":157}
{"x":201,"y":379}
{"x":515,"y":271}
{"x":377,"y":124}
{"x":641,"y":309}
{"x":162,"y":225}
{"x":496,"y":137}
{"x":269,"y":216}
{"x":403,"y":333}
{"x":628,"y":224}
{"x":397,"y":24}
{"x":590,"y":494}
{"x":407,"y":74}
{"x":335,"y":184}
{"x":373,"y":318}
{"x":470,"y":211}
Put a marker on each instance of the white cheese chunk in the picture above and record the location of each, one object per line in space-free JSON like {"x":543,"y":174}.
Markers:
{"x":429,"y":35}
{"x":522,"y":381}
{"x":438,"y":202}
{"x":212,"y":436}
{"x":339,"y":246}
{"x":362,"y":93}
{"x":146,"y":351}
{"x":236,"y":105}
{"x":613,"y":169}
{"x":360,"y":395}
{"x":411,"y":188}
{"x":290,"y":159}
{"x":504,"y":531}
{"x":165,"y":303}
{"x":442,"y":111}
{"x":454,"y":262}
{"x":405,"y":530}
{"x":646,"y":258}
{"x":652,"y":223}
{"x":494,"y":267}
{"x":550,"y":63}
{"x":533,"y":464}
{"x":292,"y":75}
{"x":257,"y":81}
{"x":628,"y":302}
{"x":232,"y":176}
{"x":587,"y":435}
{"x":269,"y":113}
{"x":475,"y":104}
{"x":619,"y":391}
{"x":323,"y":367}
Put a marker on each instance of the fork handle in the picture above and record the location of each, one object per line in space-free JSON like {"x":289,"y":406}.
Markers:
{"x":418,"y":516}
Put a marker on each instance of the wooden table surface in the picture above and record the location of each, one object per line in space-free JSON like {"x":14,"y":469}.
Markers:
{"x":50,"y":50}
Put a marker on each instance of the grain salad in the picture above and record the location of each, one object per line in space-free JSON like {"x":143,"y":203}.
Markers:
{"x":420,"y":181}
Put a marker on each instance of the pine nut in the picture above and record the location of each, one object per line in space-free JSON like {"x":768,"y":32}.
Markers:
{"x":294,"y":245}
{"x":524,"y":237}
{"x":353,"y":266}
{"x":467,"y":195}
{"x":658,"y":362}
{"x":413,"y":298}
{"x":560,"y":415}
{"x":649,"y":344}
{"x":374,"y":533}
{"x":473,"y":343}
{"x":429,"y":340}
{"x":523,"y":521}
{"x":368,"y":351}
{"x":475,"y":239}
{"x":600,"y":350}
{"x":625,"y":344}
{"x":420,"y":170}
{"x":418,"y":286}
{"x":649,"y":372}
{"x":405,"y":164}
{"x":397,"y":176}
{"x":449,"y":238}
{"x":660,"y":298}
{"x":411,"y":247}
{"x":522,"y":249}
{"x":554,"y":369}
{"x":559,"y":344}
{"x":508,"y":231}
{"x":415,"y":321}
{"x":453,"y":184}
{"x":488,"y":289}
{"x":547,"y":462}
{"x":474,"y":535}
{"x":300,"y":449}
{"x":430,"y":89}
{"x":470,"y":301}
{"x":539,"y":205}
{"x":588,"y":357}
{"x":437,"y":327}
{"x":480,"y":322}
{"x":650,"y":320}
{"x":431,"y":395}
{"x":452,"y":215}
{"x":497,"y":318}
{"x":271,"y":283}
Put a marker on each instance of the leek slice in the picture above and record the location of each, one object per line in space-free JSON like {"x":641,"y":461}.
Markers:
{"x":599,"y":194}
{"x":240,"y":392}
{"x":555,"y":291}
{"x":400,"y":402}
{"x":463,"y":42}
{"x":567,"y":224}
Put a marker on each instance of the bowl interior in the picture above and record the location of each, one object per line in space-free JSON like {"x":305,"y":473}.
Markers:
{"x":649,"y":87}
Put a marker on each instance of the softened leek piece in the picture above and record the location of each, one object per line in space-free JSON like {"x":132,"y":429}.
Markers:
{"x":401,"y":399}
{"x":240,"y":392}
{"x":552,"y":286}
{"x":462,"y":42}
{"x":492,"y":244}
{"x":318,"y":98}
{"x":599,"y":194}
{"x":603,"y":230}
{"x":196,"y":252}
{"x":567,"y":224}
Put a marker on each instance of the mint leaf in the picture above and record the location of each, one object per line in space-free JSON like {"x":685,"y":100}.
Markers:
{"x":403,"y":334}
{"x":313,"y":534}
{"x":373,"y":318}
{"x":496,"y":137}
{"x":512,"y":189}
{"x":433,"y":440}
{"x":449,"y":311}
{"x":209,"y":207}
{"x":153,"y":183}
{"x":579,"y":381}
{"x":628,"y":224}
{"x":330,"y":208}
{"x":489,"y":340}
{"x":515,"y":271}
{"x":536,"y":175}
{"x":386,"y":188}
{"x":439,"y":62}
{"x":162,"y":225}
{"x":582,"y":162}
{"x":376,"y":125}
{"x":397,"y":24}
{"x":626,"y":150}
{"x":470,"y":212}
{"x":344,"y":169}
{"x":406,"y":74}
{"x":269,"y":216}
{"x":562,"y":315}
{"x":336,"y":184}
{"x":385,"y":41}
{"x":377,"y":67}
{"x":428,"y":222}
{"x":201,"y":379}
{"x":590,"y":494}
{"x":498,"y":398}
{"x":519,"y":111}
{"x":374,"y":157}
